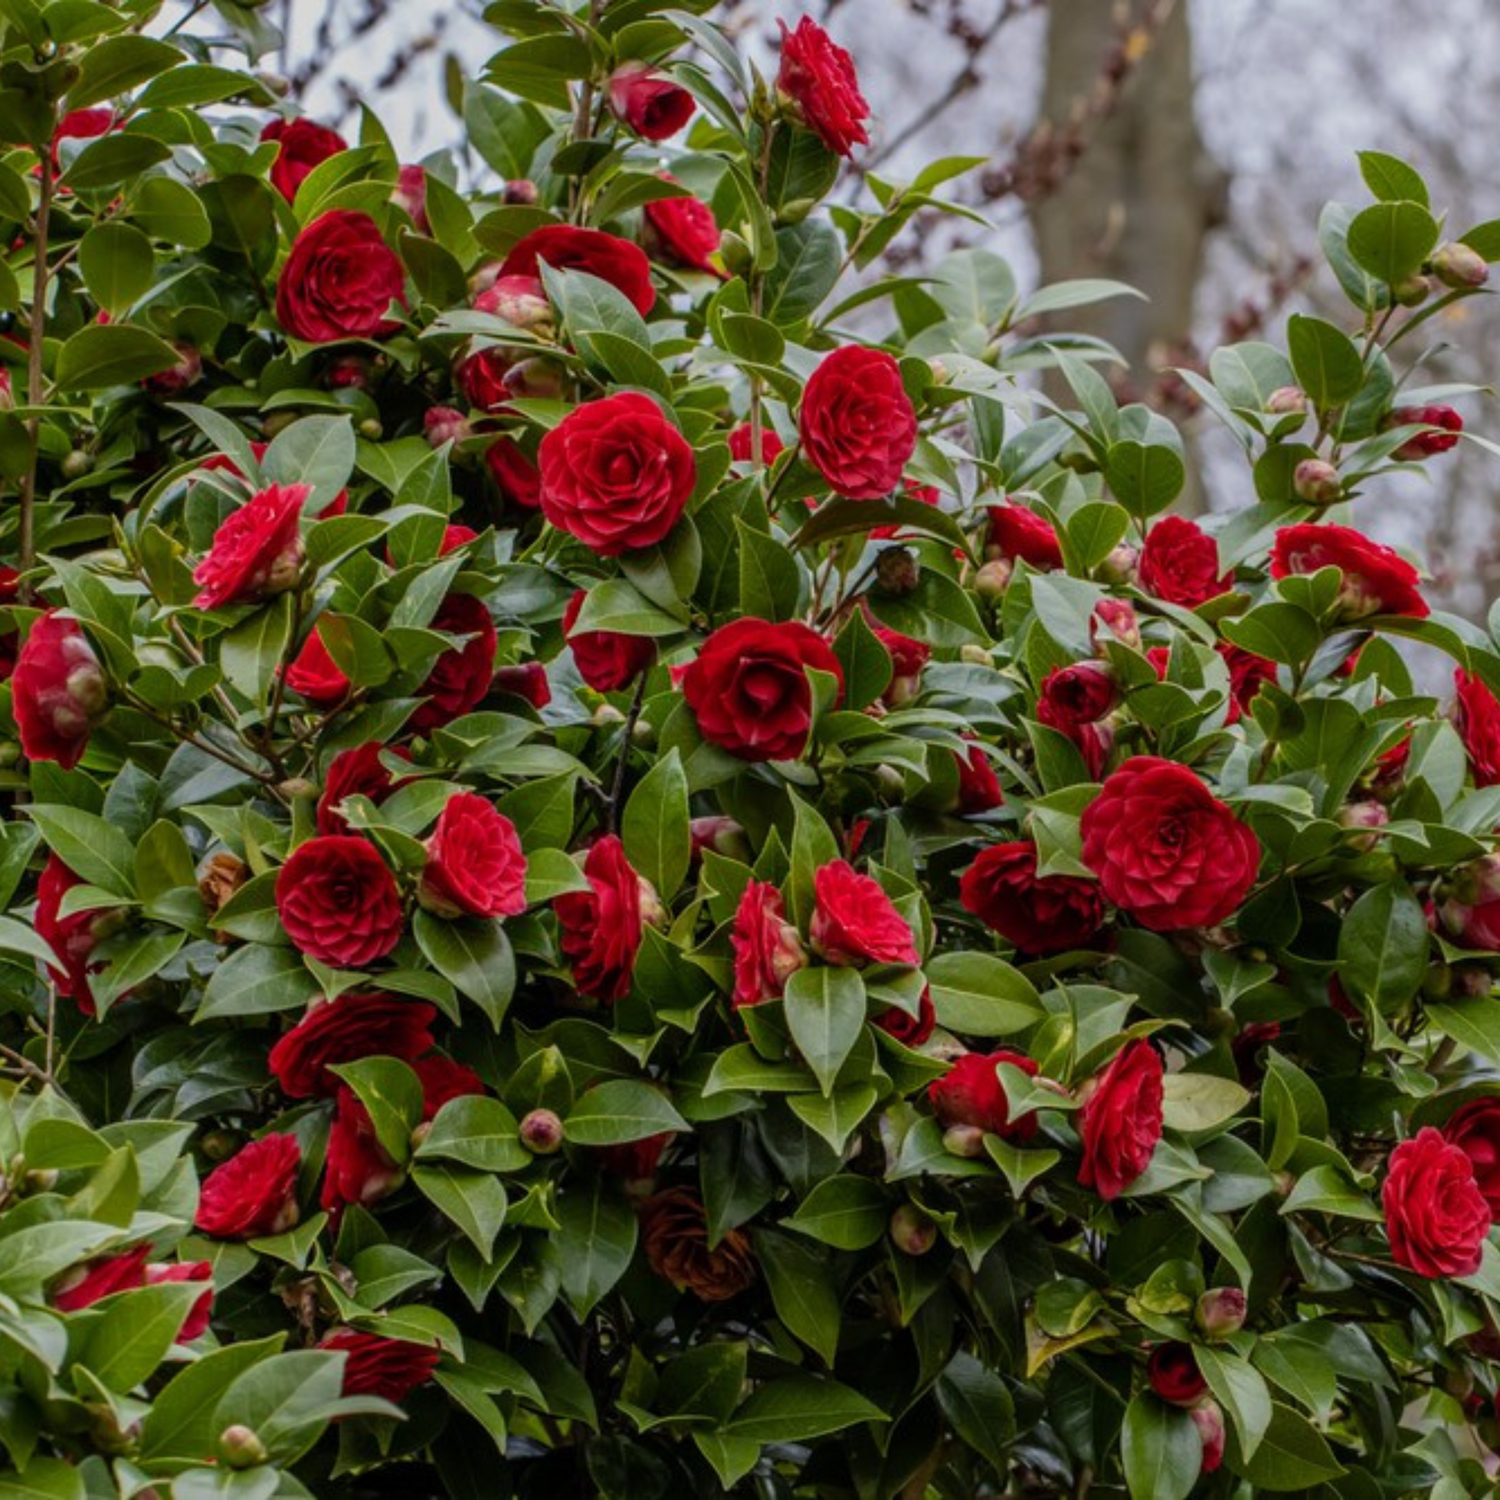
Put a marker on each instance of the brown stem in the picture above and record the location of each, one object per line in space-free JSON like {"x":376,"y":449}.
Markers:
{"x":34,"y":374}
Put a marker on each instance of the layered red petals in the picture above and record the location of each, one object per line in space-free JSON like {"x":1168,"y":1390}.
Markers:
{"x":858,"y":425}
{"x":1436,"y":1216}
{"x":338,"y":901}
{"x":475,"y":866}
{"x":1121,"y":1120}
{"x":1039,"y":914}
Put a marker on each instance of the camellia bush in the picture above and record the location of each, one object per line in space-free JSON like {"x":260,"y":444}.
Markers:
{"x":642,"y":863}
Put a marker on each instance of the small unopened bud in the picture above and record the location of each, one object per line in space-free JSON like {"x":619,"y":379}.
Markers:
{"x":520,"y":190}
{"x":521,"y":301}
{"x":1472,"y":981}
{"x":542,"y":1132}
{"x":77,"y":463}
{"x":445,"y":424}
{"x":38,"y":1180}
{"x":1221,"y":1311}
{"x":607,"y":715}
{"x":1412,"y":292}
{"x":298,"y":786}
{"x":721,"y":834}
{"x":912,"y":1232}
{"x":1209,"y":1420}
{"x":1286,"y":401}
{"x":964,"y":1140}
{"x":277,"y":84}
{"x":992,"y":580}
{"x":241,"y":1448}
{"x":941,"y":374}
{"x":1317,"y":481}
{"x":535,"y":380}
{"x":220,"y":1145}
{"x":349,"y":372}
{"x":975,"y":655}
{"x":276,"y":421}
{"x":737,"y":255}
{"x":1366,"y":813}
{"x":1437,"y":982}
{"x":10,"y":754}
{"x":370,"y":428}
{"x":1121,"y":565}
{"x":1283,"y":1182}
{"x":897,"y":571}
{"x":420,"y":1133}
{"x":1458,"y":266}
{"x":1114,"y":619}
{"x":179,"y":377}
{"x":654,"y":911}
{"x":890,"y":782}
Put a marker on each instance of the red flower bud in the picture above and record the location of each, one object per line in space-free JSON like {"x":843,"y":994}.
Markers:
{"x":912,"y":1232}
{"x":542,"y":1132}
{"x":1221,"y":1311}
{"x":1317,"y":482}
{"x":1458,"y":266}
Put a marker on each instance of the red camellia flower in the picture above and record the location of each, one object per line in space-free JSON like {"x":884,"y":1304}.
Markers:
{"x":80,"y":125}
{"x":257,"y":551}
{"x":528,"y":681}
{"x":858,"y":425}
{"x":908,"y":657}
{"x":854,"y":922}
{"x":749,"y":691}
{"x":978,"y":786}
{"x":101,"y":1278}
{"x":1039,"y":914}
{"x":58,"y":691}
{"x":650,"y":104}
{"x":607,"y":660}
{"x":567,"y":248}
{"x":195,"y":1325}
{"x":1377,"y":581}
{"x":339,"y":281}
{"x":304,"y":145}
{"x":1475,"y":1129}
{"x":376,"y":1366}
{"x":1476,"y":716}
{"x":1121,"y":1119}
{"x":1016,"y":532}
{"x":1173,"y":1374}
{"x":338,"y":901}
{"x":1073,"y":696}
{"x":970,"y":1093}
{"x":315,"y":676}
{"x":683,"y":232}
{"x":1247,"y":672}
{"x":771,"y":446}
{"x":601,"y":927}
{"x":71,"y":938}
{"x":616,"y":474}
{"x":818,"y":76}
{"x":356,"y":1168}
{"x":354,"y":773}
{"x":1425,"y":444}
{"x":475,"y":866}
{"x":1208,"y":1418}
{"x":1115,"y":618}
{"x":767,"y":948}
{"x":515,"y":476}
{"x":910,"y":1030}
{"x":461,"y":676}
{"x":1436,"y":1216}
{"x":343,"y":1031}
{"x":252,"y":1194}
{"x":1165,"y":849}
{"x":1180,"y":563}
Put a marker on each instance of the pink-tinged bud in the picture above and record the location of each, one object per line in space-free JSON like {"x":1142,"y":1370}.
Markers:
{"x":419,"y":1135}
{"x":654,"y":912}
{"x":1366,"y":813}
{"x":897,"y":571}
{"x":536,"y":380}
{"x":241,"y":1448}
{"x":1458,"y":266}
{"x":1221,"y":1311}
{"x":411,"y":196}
{"x":912,"y":1232}
{"x":722,"y":835}
{"x":1114,"y":619}
{"x":220,"y":1145}
{"x":445,"y":424}
{"x":1317,"y":482}
{"x":542,"y":1132}
{"x":349,"y":372}
{"x":1471,"y":981}
{"x":1121,"y":565}
{"x":1287,"y":401}
{"x":1412,"y":292}
{"x":1425,"y":444}
{"x":1209,"y":1420}
{"x":521,"y":301}
{"x":788,"y":955}
{"x":964,"y":1140}
{"x":181,"y":375}
{"x":992,"y":580}
{"x":520,"y":190}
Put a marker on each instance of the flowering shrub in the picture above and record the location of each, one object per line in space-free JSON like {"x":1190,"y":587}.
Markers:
{"x":635,"y":871}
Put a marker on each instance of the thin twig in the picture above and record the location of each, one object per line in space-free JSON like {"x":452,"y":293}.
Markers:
{"x":34,"y":372}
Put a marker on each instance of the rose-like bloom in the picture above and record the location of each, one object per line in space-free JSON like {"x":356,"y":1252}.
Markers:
{"x":338,"y":901}
{"x":1246,"y":1046}
{"x":567,"y":248}
{"x":1436,"y":1216}
{"x":1247,"y":672}
{"x":607,"y":661}
{"x":970,"y":1093}
{"x":1016,"y":532}
{"x":1180,"y":563}
{"x":1208,"y":1418}
{"x":908,"y":657}
{"x":257,"y":551}
{"x":616,"y":473}
{"x":1425,"y":444}
{"x":683,"y":232}
{"x":72,"y":938}
{"x":674,"y":1236}
{"x":771,"y":446}
{"x":721,"y":834}
{"x":100,"y":1278}
{"x":601,"y":927}
{"x":461,"y":676}
{"x":252,"y":1194}
{"x":343,"y":1031}
{"x":635,"y":1161}
{"x":58,"y":691}
{"x":1173,"y":1373}
{"x":1377,"y":580}
{"x":749,"y":691}
{"x":339,"y":281}
{"x":854,"y":922}
{"x":315,"y":676}
{"x":857,"y":423}
{"x":767,"y":948}
{"x":354,"y":773}
{"x":910,"y":1030}
{"x":377,"y":1366}
{"x":978,"y":786}
{"x":444,"y":1080}
{"x":475,"y":866}
{"x":304,"y":145}
{"x":410,"y":196}
{"x":1071,"y":697}
{"x":515,"y":476}
{"x":1165,"y":849}
{"x":480,"y":376}
{"x":1475,"y":1129}
{"x":818,"y":76}
{"x":1476,"y":716}
{"x":1120,"y":1122}
{"x":1039,"y":914}
{"x":650,"y":104}
{"x":528,"y":680}
{"x":1114,"y":618}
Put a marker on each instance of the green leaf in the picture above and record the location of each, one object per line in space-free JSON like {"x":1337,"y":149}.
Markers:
{"x":980,"y":995}
{"x":1325,"y":1189}
{"x":116,"y":65}
{"x":477,"y":1132}
{"x":1391,"y":240}
{"x":1292,"y":1455}
{"x":112,"y":354}
{"x":1325,"y":360}
{"x":506,"y":133}
{"x":113,"y":160}
{"x":250,"y":653}
{"x":474,"y":955}
{"x":44,"y":1479}
{"x":170,"y":210}
{"x":392,"y":1093}
{"x":1241,"y":1391}
{"x":316,"y":451}
{"x":117,"y":264}
{"x":846,"y":1212}
{"x":256,"y":981}
{"x":797,"y":1408}
{"x":978,"y":1403}
{"x":658,"y":841}
{"x":134,"y":1333}
{"x":93,"y":849}
{"x":825,"y":1009}
{"x":474,"y":1202}
{"x":770,"y":580}
{"x":803,"y":1293}
{"x":1474,"y":1024}
{"x":1161,"y":1450}
{"x":1145,"y":478}
{"x":1391,"y":179}
{"x":595,"y":1240}
{"x":287,"y":1400}
{"x":1200,"y":1101}
{"x":620,"y":1110}
{"x":1383,"y":947}
{"x":179,"y":1423}
{"x":704,"y":1382}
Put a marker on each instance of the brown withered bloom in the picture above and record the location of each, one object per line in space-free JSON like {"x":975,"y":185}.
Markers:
{"x":674,"y":1235}
{"x":220,"y":878}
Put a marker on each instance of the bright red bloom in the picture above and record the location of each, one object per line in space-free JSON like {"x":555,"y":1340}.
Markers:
{"x":475,"y":866}
{"x":1180,"y":564}
{"x":1016,"y":532}
{"x":738,"y":438}
{"x":345,"y":1030}
{"x":767,"y":948}
{"x":101,"y":1278}
{"x":854,"y":922}
{"x":257,"y":551}
{"x":970,"y":1093}
{"x":1073,"y":696}
{"x":1173,"y":1374}
{"x":516,"y":477}
{"x":1039,"y":914}
{"x":338,"y":901}
{"x":1436,"y":1216}
{"x":650,"y":104}
{"x":818,"y":76}
{"x":315,"y":676}
{"x":354,"y":773}
{"x":858,"y":425}
{"x":567,"y":248}
{"x":252,"y":1194}
{"x":339,"y":281}
{"x":304,"y":145}
{"x":1476,"y":716}
{"x":978,"y":786}
{"x":910,"y":1030}
{"x":684,"y":232}
{"x":1377,"y":580}
{"x":1475,"y":1129}
{"x":375,"y":1366}
{"x":1425,"y":444}
{"x":71,"y":938}
{"x":601,"y":927}
{"x":606,"y":660}
{"x":1247,"y":673}
{"x":461,"y":676}
{"x":58,"y":691}
{"x":528,"y":680}
{"x":1121,"y":1120}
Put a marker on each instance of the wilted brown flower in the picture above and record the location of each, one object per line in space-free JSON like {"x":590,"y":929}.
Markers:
{"x":221,"y":876}
{"x":674,"y":1235}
